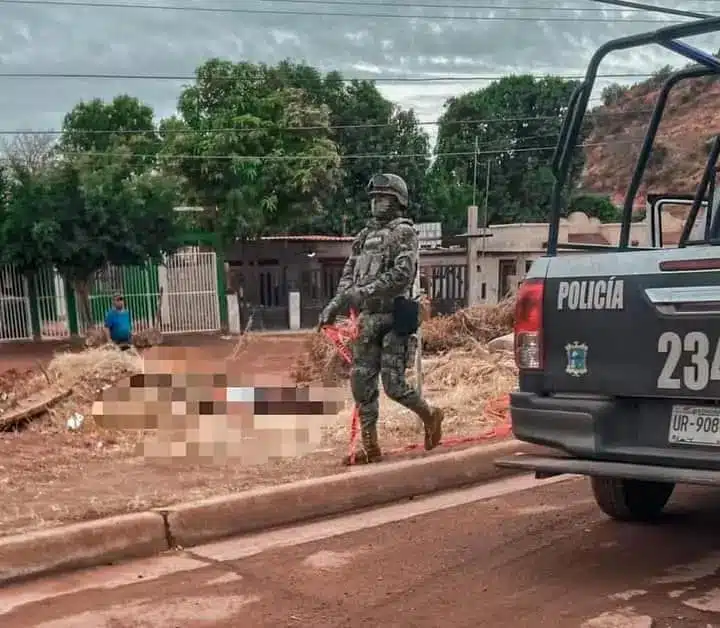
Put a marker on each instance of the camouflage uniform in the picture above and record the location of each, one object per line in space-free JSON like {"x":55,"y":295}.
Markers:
{"x":381,"y":267}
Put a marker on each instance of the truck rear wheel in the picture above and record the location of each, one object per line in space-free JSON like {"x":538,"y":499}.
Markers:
{"x":631,"y":500}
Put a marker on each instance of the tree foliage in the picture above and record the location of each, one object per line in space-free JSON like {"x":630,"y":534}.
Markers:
{"x":258,"y":151}
{"x":97,"y":128}
{"x":374,"y":135}
{"x":241,"y":126}
{"x":95,"y":202}
{"x":596,"y":206}
{"x":273,"y":148}
{"x":516,"y":122}
{"x":79,"y":219}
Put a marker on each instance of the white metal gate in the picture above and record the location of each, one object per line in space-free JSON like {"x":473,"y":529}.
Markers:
{"x":15,"y":320}
{"x":52,"y":305}
{"x":190,"y":300}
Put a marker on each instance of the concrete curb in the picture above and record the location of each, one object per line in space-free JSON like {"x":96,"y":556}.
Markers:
{"x":138,"y":535}
{"x":81,"y":545}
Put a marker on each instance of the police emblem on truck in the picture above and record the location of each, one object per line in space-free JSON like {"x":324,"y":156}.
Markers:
{"x":576,"y":358}
{"x":591,"y":294}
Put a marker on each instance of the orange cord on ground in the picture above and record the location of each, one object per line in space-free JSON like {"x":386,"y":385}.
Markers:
{"x":497,"y":409}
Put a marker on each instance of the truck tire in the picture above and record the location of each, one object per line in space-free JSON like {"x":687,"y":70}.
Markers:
{"x":631,"y":500}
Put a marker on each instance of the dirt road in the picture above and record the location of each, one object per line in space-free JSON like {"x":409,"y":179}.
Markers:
{"x":511,"y":554}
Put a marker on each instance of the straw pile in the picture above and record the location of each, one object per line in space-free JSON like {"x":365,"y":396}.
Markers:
{"x":466,"y":327}
{"x":94,"y":368}
{"x":86,"y":373}
{"x":471,"y":386}
{"x":148,"y":337}
{"x":95,"y":337}
{"x":320,"y":363}
{"x":143,"y":338}
{"x":491,"y":374}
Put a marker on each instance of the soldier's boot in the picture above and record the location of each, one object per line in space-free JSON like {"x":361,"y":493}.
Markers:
{"x":432,"y":418}
{"x":369,"y":452}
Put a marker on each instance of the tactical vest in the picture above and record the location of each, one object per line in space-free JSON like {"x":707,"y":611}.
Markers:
{"x":376,"y":257}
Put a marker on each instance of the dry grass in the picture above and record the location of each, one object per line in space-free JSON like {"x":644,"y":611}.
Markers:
{"x":144,"y":336}
{"x":466,"y":327}
{"x":87,"y":373}
{"x":321,"y":362}
{"x":147,"y":337}
{"x":489,"y":373}
{"x":97,"y":367}
{"x":471,"y":386}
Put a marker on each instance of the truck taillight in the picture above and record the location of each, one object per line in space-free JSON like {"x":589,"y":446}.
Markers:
{"x":528,"y":325}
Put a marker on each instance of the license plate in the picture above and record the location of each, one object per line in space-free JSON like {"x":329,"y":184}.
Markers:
{"x":695,"y":425}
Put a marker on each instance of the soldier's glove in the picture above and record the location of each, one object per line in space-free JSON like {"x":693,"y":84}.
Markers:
{"x":352,"y":299}
{"x":329,"y":314}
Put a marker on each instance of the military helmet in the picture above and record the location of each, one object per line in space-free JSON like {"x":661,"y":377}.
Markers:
{"x":389,"y":184}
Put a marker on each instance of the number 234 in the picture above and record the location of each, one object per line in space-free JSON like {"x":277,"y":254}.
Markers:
{"x":701,"y":370}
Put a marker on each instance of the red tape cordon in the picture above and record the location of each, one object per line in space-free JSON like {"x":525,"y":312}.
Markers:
{"x":344,"y":333}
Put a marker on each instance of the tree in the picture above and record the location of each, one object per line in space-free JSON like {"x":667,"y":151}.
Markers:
{"x":258,"y":151}
{"x":95,"y":128}
{"x":361,"y":123}
{"x":29,"y":151}
{"x":516,"y":122}
{"x":374,"y":135}
{"x":446,"y":200}
{"x":596,"y":206}
{"x":78,"y":217}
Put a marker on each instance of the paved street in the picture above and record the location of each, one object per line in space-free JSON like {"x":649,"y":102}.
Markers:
{"x":518,"y":553}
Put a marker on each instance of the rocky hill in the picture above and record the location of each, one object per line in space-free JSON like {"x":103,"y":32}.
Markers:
{"x":681,"y":148}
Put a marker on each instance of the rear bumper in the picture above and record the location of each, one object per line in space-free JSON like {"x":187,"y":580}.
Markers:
{"x":549,"y":466}
{"x":606,"y":430}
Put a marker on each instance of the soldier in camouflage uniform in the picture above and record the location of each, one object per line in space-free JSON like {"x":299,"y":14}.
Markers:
{"x":378,"y":275}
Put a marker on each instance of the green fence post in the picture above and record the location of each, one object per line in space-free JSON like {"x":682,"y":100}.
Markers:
{"x":72,"y":312}
{"x":222,"y":290}
{"x":34,"y":305}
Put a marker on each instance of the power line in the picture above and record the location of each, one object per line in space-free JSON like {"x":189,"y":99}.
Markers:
{"x":295,"y":13}
{"x":281,"y":158}
{"x":340,"y":127}
{"x":453,"y":6}
{"x":382,"y":79}
{"x":629,"y":4}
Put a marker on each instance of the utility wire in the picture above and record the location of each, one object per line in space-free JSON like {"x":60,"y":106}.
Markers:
{"x":389,"y":156}
{"x":651,"y":7}
{"x":453,"y":6}
{"x":295,"y":13}
{"x":381,"y":79}
{"x":339,"y":127}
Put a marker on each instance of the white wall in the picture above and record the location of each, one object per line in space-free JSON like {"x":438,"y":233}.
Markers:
{"x":526,"y":242}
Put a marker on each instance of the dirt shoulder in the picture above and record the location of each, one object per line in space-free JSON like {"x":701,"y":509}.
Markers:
{"x":51,"y":475}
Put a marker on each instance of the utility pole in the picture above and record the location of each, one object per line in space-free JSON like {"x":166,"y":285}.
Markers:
{"x":485,"y":212}
{"x":475,"y":168}
{"x":417,"y":294}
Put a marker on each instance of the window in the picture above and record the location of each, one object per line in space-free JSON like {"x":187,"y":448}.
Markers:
{"x":507,"y":269}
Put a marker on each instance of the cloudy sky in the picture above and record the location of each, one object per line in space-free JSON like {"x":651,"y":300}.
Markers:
{"x":455,"y":38}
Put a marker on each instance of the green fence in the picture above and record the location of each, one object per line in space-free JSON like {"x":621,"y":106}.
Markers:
{"x":188,"y":288}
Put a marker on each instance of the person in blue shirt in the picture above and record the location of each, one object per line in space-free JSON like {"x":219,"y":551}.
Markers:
{"x":118,"y":323}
